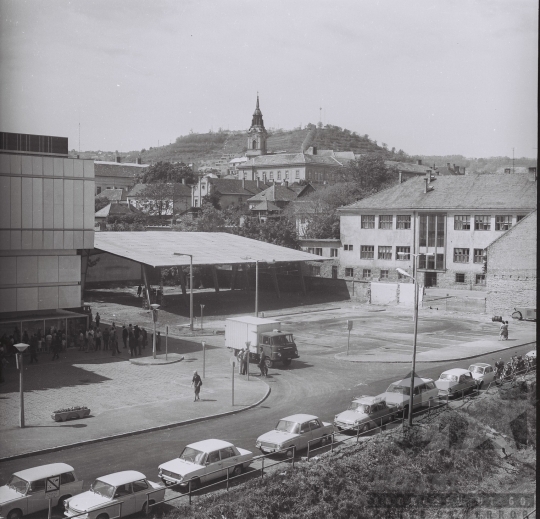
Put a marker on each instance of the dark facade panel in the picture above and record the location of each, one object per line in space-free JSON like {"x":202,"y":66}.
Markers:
{"x":26,"y":143}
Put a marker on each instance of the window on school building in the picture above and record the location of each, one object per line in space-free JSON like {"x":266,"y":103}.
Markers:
{"x":279,"y":175}
{"x":385,"y":221}
{"x":367,"y":251}
{"x":431,"y":262}
{"x":503,"y":223}
{"x":431,"y":231}
{"x":368,"y":222}
{"x":385,"y":252}
{"x":403,"y":253}
{"x":349,"y":272}
{"x":347,"y":247}
{"x":461,"y":255}
{"x":384,"y":274}
{"x":482,"y":223}
{"x":286,"y":174}
{"x":462,"y":222}
{"x":403,"y":222}
{"x":297,"y":174}
{"x":520,"y":217}
{"x":460,"y":277}
{"x":334,"y":253}
{"x":478,"y":256}
{"x":480,"y":279}
{"x":366,"y":273}
{"x":271,"y":175}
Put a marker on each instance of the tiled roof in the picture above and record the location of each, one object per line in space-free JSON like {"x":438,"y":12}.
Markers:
{"x":275,"y":193}
{"x":265,"y":205}
{"x":113,"y":194}
{"x":235,"y":187}
{"x":179,"y":190}
{"x":455,"y":192}
{"x":118,"y":169}
{"x":117,"y":209}
{"x":289,"y":159}
{"x":408,"y":167}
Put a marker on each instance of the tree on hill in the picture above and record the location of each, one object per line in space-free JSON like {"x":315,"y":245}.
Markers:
{"x":168,"y":172}
{"x":279,"y":231}
{"x":369,"y":173}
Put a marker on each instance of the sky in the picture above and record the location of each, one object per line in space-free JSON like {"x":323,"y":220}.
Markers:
{"x":428,"y":77}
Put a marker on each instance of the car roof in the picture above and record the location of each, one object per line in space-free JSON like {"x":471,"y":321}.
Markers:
{"x":407,"y":381}
{"x":455,"y":371}
{"x":300,"y":418}
{"x":369,"y":400}
{"x":44,"y":471}
{"x":121,"y":478}
{"x":210,"y":445}
{"x":481,"y":364}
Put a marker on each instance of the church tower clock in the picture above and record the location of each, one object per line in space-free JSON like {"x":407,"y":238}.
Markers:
{"x":256,"y":141}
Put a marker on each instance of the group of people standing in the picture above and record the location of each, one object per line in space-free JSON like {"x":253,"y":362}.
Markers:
{"x":243,"y":359}
{"x":136,"y":339}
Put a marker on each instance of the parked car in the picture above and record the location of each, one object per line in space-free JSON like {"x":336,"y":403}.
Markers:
{"x":295,"y":431}
{"x":116,"y":495}
{"x":204,"y":461}
{"x":455,"y":381}
{"x":365,"y":413}
{"x":531,"y":354}
{"x":25,"y":491}
{"x":398,"y":393}
{"x":483,"y":373}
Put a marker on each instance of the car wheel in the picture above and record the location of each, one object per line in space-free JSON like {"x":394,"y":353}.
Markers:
{"x":365,"y":428}
{"x":269,"y":362}
{"x":103,"y":516}
{"x":237,"y":470}
{"x":61,"y":502}
{"x":287,"y":362}
{"x":289,"y":452}
{"x":144,"y":508}
{"x":14,"y":514}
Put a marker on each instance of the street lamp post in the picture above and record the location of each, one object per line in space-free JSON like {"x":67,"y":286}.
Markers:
{"x":414,"y":277}
{"x":202,"y":308}
{"x":21,"y":347}
{"x":154,"y":308}
{"x":257,"y":281}
{"x":190,"y":287}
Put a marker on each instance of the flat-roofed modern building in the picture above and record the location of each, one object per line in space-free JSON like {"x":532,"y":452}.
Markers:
{"x":46,"y":224}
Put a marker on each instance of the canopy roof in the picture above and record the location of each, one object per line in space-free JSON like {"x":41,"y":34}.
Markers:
{"x":158,"y":248}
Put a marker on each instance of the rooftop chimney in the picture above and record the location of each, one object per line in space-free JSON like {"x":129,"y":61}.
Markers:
{"x":400,"y":178}
{"x":426,"y":181}
{"x":532,"y":174}
{"x":139,"y":160}
{"x":314,"y":150}
{"x":118,"y":159}
{"x":419,"y":162}
{"x":464,"y":170}
{"x":243,"y":183}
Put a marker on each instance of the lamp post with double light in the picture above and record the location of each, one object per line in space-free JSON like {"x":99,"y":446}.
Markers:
{"x":414,"y":277}
{"x":257,"y":281}
{"x":21,"y":347}
{"x":190,"y":287}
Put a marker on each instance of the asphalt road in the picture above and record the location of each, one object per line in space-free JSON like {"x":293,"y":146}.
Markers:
{"x":316,"y":383}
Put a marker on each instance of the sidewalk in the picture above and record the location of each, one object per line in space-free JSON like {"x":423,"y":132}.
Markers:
{"x":123,"y":398}
{"x":466,"y":350}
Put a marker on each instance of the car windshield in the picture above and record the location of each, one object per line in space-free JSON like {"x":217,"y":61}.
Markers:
{"x":446,"y":376}
{"x":359,"y":408}
{"x":289,"y":338}
{"x":18,"y":484}
{"x":394,"y":388}
{"x":193,"y":455}
{"x":102,"y":488}
{"x":286,"y":426}
{"x":476,"y":369}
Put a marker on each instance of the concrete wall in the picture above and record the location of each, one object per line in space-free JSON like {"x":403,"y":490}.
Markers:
{"x":113,"y":269}
{"x":46,"y":214}
{"x":511,"y":273}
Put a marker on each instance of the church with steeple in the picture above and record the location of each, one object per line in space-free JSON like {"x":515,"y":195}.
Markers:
{"x":257,"y":135}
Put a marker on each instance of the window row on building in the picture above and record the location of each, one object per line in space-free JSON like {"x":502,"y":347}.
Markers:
{"x":319,"y":251}
{"x":386,"y":221}
{"x":384,"y":252}
{"x":367,"y":274}
{"x":462,"y":255}
{"x":465,"y":222}
{"x":479,"y":279}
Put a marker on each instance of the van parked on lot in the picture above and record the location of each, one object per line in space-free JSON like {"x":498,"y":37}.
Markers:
{"x":398,"y":393}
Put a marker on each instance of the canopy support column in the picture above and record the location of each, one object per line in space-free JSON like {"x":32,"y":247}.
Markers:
{"x":275,"y":281}
{"x":233,"y":276}
{"x":215,"y":278}
{"x":84,"y":271}
{"x":246,"y":275}
{"x":183,"y":281}
{"x":302,"y":280}
{"x":146,"y":284}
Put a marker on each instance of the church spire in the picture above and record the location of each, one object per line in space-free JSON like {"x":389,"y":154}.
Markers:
{"x":256,"y":134}
{"x":257,"y":120}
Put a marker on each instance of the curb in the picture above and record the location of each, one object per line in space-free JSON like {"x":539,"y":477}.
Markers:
{"x":161,"y":362}
{"x":133,"y":433}
{"x":432,"y":361}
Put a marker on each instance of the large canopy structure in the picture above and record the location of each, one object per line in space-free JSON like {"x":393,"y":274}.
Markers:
{"x":162,"y":248}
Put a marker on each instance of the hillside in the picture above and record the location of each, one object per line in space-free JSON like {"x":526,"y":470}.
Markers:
{"x":207,"y":146}
{"x":479,"y":165}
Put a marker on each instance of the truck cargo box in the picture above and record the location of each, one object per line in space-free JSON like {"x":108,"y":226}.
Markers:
{"x":239,"y":330}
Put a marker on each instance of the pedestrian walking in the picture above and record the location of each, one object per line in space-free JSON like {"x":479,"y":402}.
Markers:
{"x":503,"y":331}
{"x":106,"y":338}
{"x":125,"y":335}
{"x":33,"y":348}
{"x":196,"y":382}
{"x":139,"y":291}
{"x":114,"y":340}
{"x":48,"y":342}
{"x":262,"y":363}
{"x":81,"y":340}
{"x":98,"y":319}
{"x":158,"y":341}
{"x":91,"y":340}
{"x":242,"y":361}
{"x":131,"y":342}
{"x":98,"y":337}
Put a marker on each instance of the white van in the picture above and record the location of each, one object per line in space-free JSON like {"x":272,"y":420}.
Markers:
{"x":25,"y":491}
{"x":398,"y":393}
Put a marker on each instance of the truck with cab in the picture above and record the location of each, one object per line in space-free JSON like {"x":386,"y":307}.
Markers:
{"x":278,"y":346}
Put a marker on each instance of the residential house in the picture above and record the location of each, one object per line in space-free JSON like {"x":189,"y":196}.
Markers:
{"x":114,"y":209}
{"x":180,"y":199}
{"x":448,"y":221}
{"x":114,"y":195}
{"x":273,"y":200}
{"x":228,"y":191}
{"x":326,"y":248}
{"x":117,"y":175}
